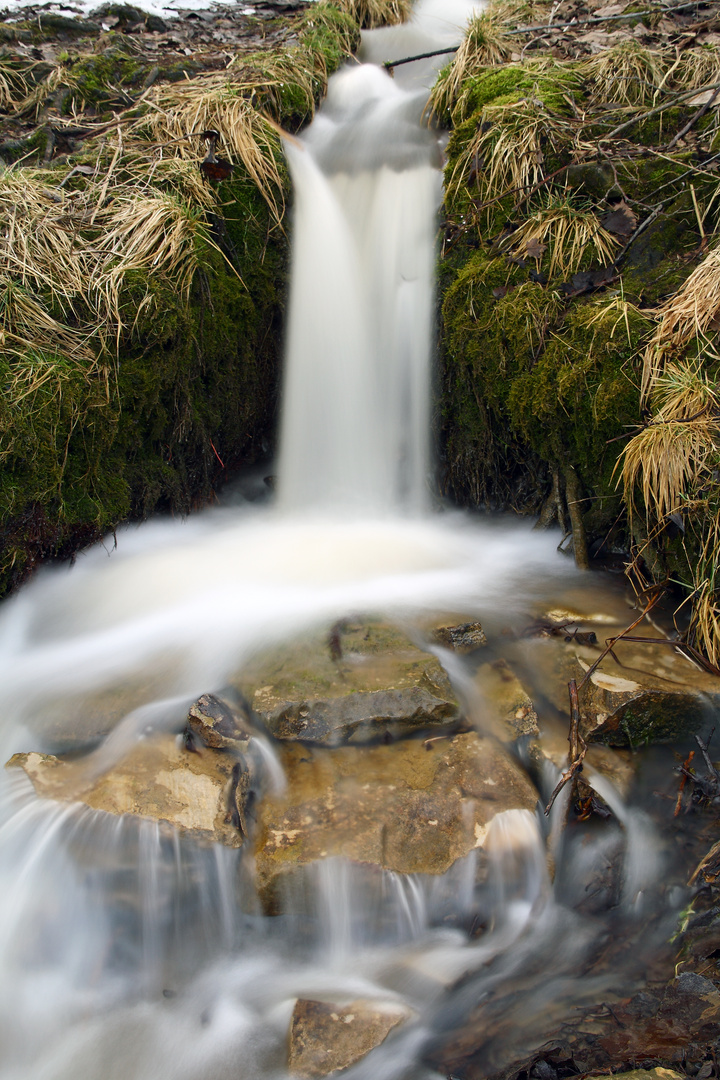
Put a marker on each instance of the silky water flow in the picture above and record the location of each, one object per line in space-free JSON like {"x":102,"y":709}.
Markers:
{"x":128,"y":952}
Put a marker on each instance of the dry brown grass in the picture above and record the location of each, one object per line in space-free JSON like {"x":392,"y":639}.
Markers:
{"x":179,"y":112}
{"x":507,"y":152}
{"x":370,"y":14}
{"x":628,"y":74}
{"x":691,"y":313}
{"x":572,"y":236}
{"x":670,"y":458}
{"x":72,"y":251}
{"x":695,"y":68}
{"x":13,"y":86}
{"x":485,"y":44}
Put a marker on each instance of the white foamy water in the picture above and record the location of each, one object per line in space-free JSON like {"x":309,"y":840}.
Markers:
{"x":129,"y":953}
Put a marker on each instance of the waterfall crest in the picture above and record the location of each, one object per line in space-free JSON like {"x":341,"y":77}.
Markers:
{"x":356,"y":396}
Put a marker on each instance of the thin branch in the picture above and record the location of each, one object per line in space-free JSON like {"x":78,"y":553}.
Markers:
{"x":610,"y":642}
{"x":658,"y":109}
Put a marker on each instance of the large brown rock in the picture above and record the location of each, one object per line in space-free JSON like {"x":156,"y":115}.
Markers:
{"x":633,"y":708}
{"x":414,"y":807}
{"x":325,"y":1038}
{"x":158,"y":780}
{"x":509,"y":703}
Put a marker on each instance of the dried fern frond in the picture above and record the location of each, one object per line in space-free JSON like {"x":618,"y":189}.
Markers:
{"x":370,"y":14}
{"x":627,"y":74}
{"x":507,"y":151}
{"x":572,"y":235}
{"x":690,"y":313}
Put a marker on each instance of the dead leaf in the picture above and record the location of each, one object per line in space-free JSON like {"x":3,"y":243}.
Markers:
{"x":534,"y":249}
{"x":502,"y":290}
{"x":705,"y":98}
{"x":588,"y":281}
{"x":621,"y":221}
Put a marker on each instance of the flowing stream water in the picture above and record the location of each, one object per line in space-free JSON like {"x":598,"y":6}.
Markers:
{"x":130,"y":953}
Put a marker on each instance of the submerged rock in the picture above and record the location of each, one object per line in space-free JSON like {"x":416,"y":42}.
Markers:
{"x":414,"y":807}
{"x":325,"y":1038}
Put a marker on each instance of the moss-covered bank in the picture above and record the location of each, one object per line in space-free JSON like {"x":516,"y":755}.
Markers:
{"x":562,"y":236}
{"x":140,"y":298}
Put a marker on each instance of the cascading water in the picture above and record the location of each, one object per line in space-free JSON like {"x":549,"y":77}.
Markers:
{"x":130,"y":953}
{"x":367,"y":187}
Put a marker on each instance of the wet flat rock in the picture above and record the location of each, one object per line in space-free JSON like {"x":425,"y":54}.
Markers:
{"x":361,"y":681}
{"x":157,"y":780}
{"x":362,"y":718}
{"x":325,"y":1038}
{"x":413,"y":807}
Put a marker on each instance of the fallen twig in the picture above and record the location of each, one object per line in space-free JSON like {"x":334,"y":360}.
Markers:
{"x":684,"y":773}
{"x":578,"y":747}
{"x":390,"y":64}
{"x":638,"y":119}
{"x":696,"y":116}
{"x":610,"y":642}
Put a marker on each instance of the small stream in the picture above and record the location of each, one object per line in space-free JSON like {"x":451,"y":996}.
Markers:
{"x":129,"y":953}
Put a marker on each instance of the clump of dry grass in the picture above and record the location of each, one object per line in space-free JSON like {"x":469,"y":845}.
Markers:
{"x":572,"y":236}
{"x":628,"y":74}
{"x":507,"y":151}
{"x":691,"y":313}
{"x":182,"y":111}
{"x":672,"y":463}
{"x":485,"y":44}
{"x":370,"y":14}
{"x":263,"y":77}
{"x":670,"y":457}
{"x":13,"y":86}
{"x":71,"y":252}
{"x":695,"y":68}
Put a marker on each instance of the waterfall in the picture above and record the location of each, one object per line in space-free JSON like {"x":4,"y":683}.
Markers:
{"x":355,"y":405}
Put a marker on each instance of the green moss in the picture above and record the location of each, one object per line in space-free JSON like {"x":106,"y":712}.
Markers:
{"x":533,"y":382}
{"x":96,"y":79}
{"x":503,"y":85}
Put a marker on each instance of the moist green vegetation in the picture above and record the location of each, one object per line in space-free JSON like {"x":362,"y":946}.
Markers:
{"x":138,"y":399}
{"x":540,"y":365}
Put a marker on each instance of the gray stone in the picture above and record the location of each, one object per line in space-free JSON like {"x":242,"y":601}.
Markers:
{"x":689,"y":982}
{"x":463,"y":638}
{"x":363,"y":717}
